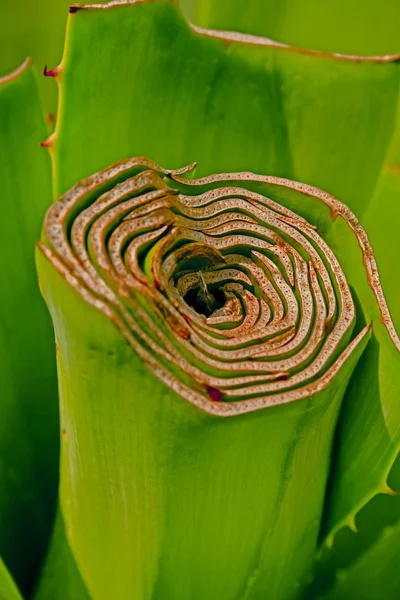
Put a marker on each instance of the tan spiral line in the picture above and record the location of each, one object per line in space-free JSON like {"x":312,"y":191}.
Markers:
{"x":232,"y":300}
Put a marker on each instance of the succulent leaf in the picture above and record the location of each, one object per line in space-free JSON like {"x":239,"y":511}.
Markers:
{"x":60,"y":578}
{"x":179,"y":94}
{"x":203,"y":403}
{"x":28,"y":403}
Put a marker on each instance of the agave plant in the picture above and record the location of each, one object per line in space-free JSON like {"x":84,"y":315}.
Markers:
{"x":226,"y":341}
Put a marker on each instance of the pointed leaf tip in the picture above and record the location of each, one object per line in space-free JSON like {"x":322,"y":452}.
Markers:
{"x":51,"y":72}
{"x":74,"y":8}
{"x":48,"y":142}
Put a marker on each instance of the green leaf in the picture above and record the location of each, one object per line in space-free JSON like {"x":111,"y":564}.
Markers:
{"x":161,"y":475}
{"x":28,"y":402}
{"x":331,"y":26}
{"x":167,"y":490}
{"x":178,"y":95}
{"x":60,"y":578}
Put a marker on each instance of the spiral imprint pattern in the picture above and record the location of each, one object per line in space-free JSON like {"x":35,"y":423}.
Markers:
{"x":231,"y":299}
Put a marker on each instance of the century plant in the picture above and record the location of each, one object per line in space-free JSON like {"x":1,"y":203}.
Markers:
{"x":226,"y":352}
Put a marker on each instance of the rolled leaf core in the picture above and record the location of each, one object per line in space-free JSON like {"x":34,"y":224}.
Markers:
{"x":226,"y":295}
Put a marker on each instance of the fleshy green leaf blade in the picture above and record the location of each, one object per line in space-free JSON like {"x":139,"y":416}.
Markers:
{"x":60,"y":578}
{"x":28,"y":403}
{"x":306,"y":116}
{"x":194,"y":462}
{"x":184,"y":473}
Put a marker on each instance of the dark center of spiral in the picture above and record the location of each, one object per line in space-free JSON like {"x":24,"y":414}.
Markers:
{"x":205,"y":299}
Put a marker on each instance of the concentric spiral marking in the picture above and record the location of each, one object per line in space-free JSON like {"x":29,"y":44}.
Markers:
{"x":231,"y":299}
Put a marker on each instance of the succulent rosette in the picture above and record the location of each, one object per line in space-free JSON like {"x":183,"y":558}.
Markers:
{"x":228,"y":367}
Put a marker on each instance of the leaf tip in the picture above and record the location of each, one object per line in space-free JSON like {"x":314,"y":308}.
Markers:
{"x":385,"y":489}
{"x":51,"y":72}
{"x":74,"y":8}
{"x":48,"y":142}
{"x":351,"y":523}
{"x":329,"y":541}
